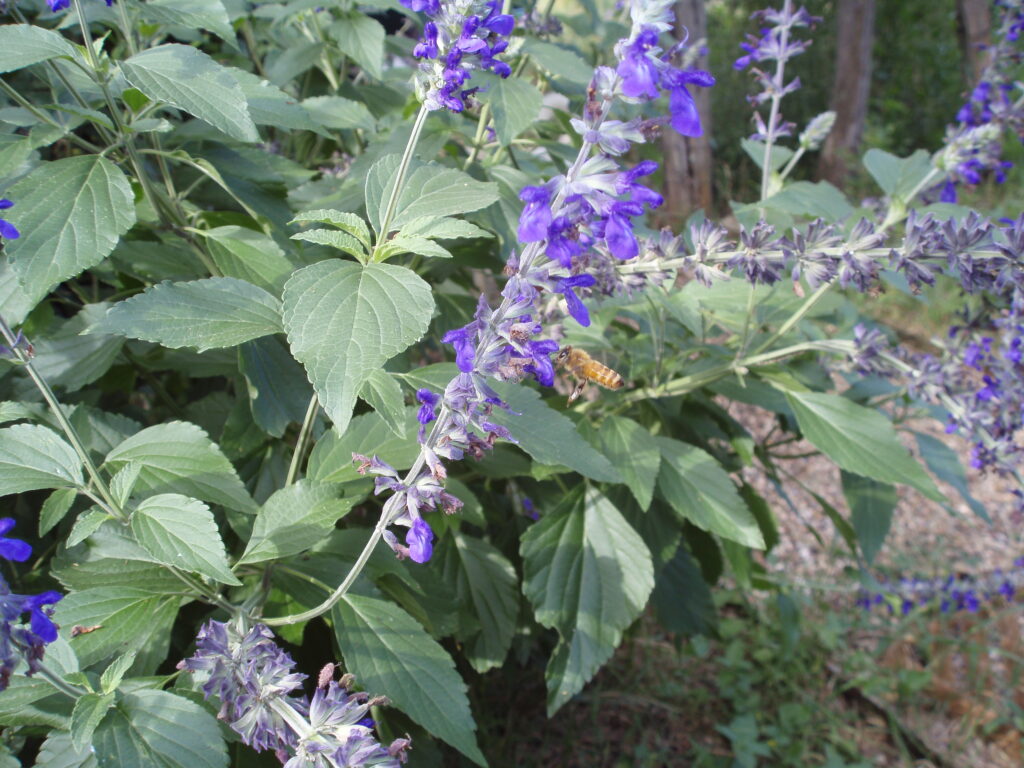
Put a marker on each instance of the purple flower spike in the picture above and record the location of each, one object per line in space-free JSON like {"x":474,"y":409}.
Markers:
{"x":12,"y":549}
{"x":420,"y":541}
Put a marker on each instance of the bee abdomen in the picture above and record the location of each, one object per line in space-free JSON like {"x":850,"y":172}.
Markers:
{"x":609,"y":379}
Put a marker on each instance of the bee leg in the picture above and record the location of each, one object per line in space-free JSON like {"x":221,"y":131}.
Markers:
{"x":577,"y":391}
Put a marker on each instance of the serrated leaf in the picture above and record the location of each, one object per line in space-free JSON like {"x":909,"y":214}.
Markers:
{"x":95,"y":205}
{"x":559,"y":61}
{"x":700,"y":491}
{"x":33,"y":458}
{"x":178,"y":457}
{"x":87,"y":714}
{"x":339,"y":113}
{"x":587,"y":574}
{"x":634,"y":451}
{"x":115,"y":672}
{"x":55,"y":507}
{"x":57,"y":752}
{"x":22,"y":45}
{"x":368,"y":434}
{"x":269,"y":105}
{"x":443,"y":228}
{"x":344,"y":320}
{"x":128,"y":618}
{"x":871,"y":506}
{"x":388,"y":651}
{"x":859,"y":440}
{"x":945,"y":465}
{"x":123,"y":482}
{"x":432,"y":190}
{"x":248,"y":255}
{"x":157,"y":728}
{"x":332,"y":238}
{"x":361,"y":38}
{"x":210,"y":15}
{"x":343,"y":220}
{"x":279,"y":393}
{"x":486,"y":582}
{"x":401,"y":244}
{"x":188,"y":79}
{"x":548,"y":436}
{"x":682,"y":598}
{"x":293,"y":519}
{"x":384,"y":394}
{"x":179,"y":531}
{"x":515,"y":104}
{"x":86,"y":525}
{"x":204,"y":314}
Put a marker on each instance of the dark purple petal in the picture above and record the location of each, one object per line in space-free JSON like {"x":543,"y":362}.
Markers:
{"x":685,"y":118}
{"x":8,"y":230}
{"x":576,"y":308}
{"x":618,"y":234}
{"x":420,"y":539}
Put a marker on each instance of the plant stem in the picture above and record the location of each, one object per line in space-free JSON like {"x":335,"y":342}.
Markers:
{"x":773,"y":112}
{"x":43,"y":117}
{"x":300,"y":443}
{"x":403,"y":167}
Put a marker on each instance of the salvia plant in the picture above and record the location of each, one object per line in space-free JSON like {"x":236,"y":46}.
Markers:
{"x":292,"y":296}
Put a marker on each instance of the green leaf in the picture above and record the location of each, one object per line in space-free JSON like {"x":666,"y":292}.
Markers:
{"x":429,"y":191}
{"x":859,"y":440}
{"x":269,"y":105}
{"x":515,"y":104}
{"x":210,"y":15}
{"x":388,"y":651}
{"x":871,"y":506}
{"x":559,"y":61}
{"x":700,"y":491}
{"x":347,"y":222}
{"x":587,"y":574}
{"x":361,"y":38}
{"x":55,"y":507}
{"x":181,"y":532}
{"x":345,"y":320}
{"x":334,"y":239}
{"x":22,"y":45}
{"x":178,"y":457}
{"x":486,"y":582}
{"x":897,"y":176}
{"x":156,"y":728}
{"x":945,"y":465}
{"x":130,"y":619}
{"x":33,"y":458}
{"x":188,"y":79}
{"x":70,"y":361}
{"x":443,"y":228}
{"x":803,"y":198}
{"x":96,"y":207}
{"x":86,"y":525}
{"x":204,"y":314}
{"x":279,"y":392}
{"x":548,"y":436}
{"x":755,"y":150}
{"x":631,"y":448}
{"x":57,"y":752}
{"x":293,"y":519}
{"x":401,"y":244}
{"x":114,"y":674}
{"x":682,"y":598}
{"x":367,"y":434}
{"x":87,"y":714}
{"x":248,"y":255}
{"x":382,"y":392}
{"x":339,"y":113}
{"x":123,"y":482}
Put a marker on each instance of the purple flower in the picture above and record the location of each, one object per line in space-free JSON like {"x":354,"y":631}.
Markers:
{"x":464,"y":341}
{"x":540,"y":365}
{"x":536,"y":216}
{"x":426,"y":48}
{"x":7,"y":230}
{"x":12,"y":549}
{"x":429,"y":401}
{"x":576,"y":307}
{"x":638,"y":72}
{"x":618,"y":234}
{"x":420,"y":541}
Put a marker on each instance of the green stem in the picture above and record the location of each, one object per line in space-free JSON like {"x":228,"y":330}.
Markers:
{"x":58,"y":682}
{"x":58,"y":412}
{"x":796,"y":317}
{"x":773,"y":112}
{"x":43,"y":117}
{"x":403,"y":168}
{"x":792,"y":162}
{"x":300,"y":444}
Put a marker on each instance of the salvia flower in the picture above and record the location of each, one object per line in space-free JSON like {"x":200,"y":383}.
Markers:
{"x":7,"y":230}
{"x":255,"y":682}
{"x":954,"y":592}
{"x":461,"y":37}
{"x":20,"y":643}
{"x":571,"y":228}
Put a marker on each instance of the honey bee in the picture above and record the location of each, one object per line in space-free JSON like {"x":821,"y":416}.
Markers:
{"x":585,"y":368}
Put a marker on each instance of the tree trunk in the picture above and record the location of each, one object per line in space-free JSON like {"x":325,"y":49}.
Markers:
{"x":687,"y":161}
{"x":855,"y":34}
{"x":975,"y":17}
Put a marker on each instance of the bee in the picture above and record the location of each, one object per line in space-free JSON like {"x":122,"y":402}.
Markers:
{"x":585,"y":368}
